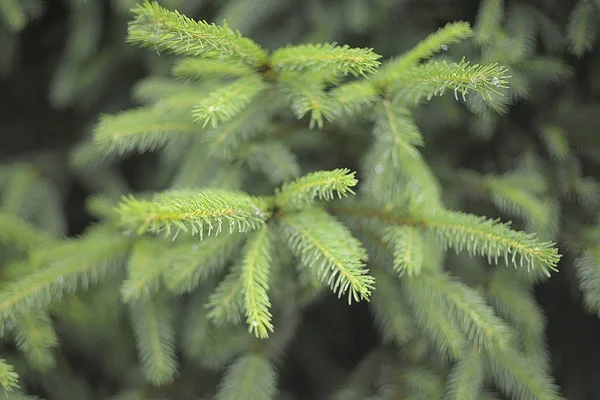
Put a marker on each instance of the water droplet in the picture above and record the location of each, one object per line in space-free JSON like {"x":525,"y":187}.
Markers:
{"x":379,"y":169}
{"x":496,"y":81}
{"x":127,"y":233}
{"x":60,"y":279}
{"x":211,"y":109}
{"x":444,"y":47}
{"x":254,"y":323}
{"x":195,"y":247}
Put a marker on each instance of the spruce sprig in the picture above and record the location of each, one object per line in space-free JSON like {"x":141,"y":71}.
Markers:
{"x":323,"y":185}
{"x":325,"y":245}
{"x":326,"y":56}
{"x":450,"y":34}
{"x":156,"y":27}
{"x":436,"y":77}
{"x":225,"y":103}
{"x":202,"y":213}
{"x":255,"y":272}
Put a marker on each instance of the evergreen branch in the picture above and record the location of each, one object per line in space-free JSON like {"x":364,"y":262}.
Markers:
{"x":477,"y":320}
{"x":324,"y":244}
{"x":155,"y":340}
{"x":325,"y":56}
{"x":305,"y":96}
{"x":389,"y":311}
{"x":191,"y":264}
{"x":226,"y":302}
{"x":273,"y":159}
{"x":144,"y":272}
{"x":156,"y":27}
{"x":489,"y":18}
{"x":197,"y":68}
{"x":153,"y":89}
{"x":450,"y":34}
{"x":323,"y":185}
{"x":35,"y":336}
{"x":255,"y":273}
{"x":250,"y":377}
{"x":202,"y":213}
{"x":9,"y":379}
{"x":21,"y":235}
{"x":422,"y":382}
{"x":396,"y":126}
{"x":436,"y":77}
{"x":141,"y":130}
{"x":211,"y":345}
{"x":556,"y":142}
{"x":408,"y":249}
{"x":518,"y":378}
{"x":482,"y":236}
{"x":515,"y":302}
{"x":544,"y":69}
{"x":466,"y":378}
{"x":587,"y":268}
{"x":354,"y":97}
{"x":75,"y":264}
{"x":227,"y":140}
{"x":516,"y":193}
{"x":224,"y":103}
{"x":582,"y":27}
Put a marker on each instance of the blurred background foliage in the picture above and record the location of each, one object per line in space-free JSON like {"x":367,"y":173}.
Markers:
{"x":63,"y":62}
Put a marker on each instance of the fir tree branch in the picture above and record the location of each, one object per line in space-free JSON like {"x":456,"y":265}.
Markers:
{"x":587,"y":268}
{"x":144,"y":271}
{"x":354,"y":97}
{"x":408,"y":249}
{"x":396,"y":126}
{"x":322,"y":243}
{"x":226,"y":102}
{"x":450,"y":34}
{"x":389,"y":311}
{"x":191,"y":264}
{"x":323,"y":185}
{"x":197,"y":68}
{"x":35,"y":336}
{"x":202,"y":213}
{"x":250,"y":377}
{"x":478,"y":235}
{"x":9,"y":379}
{"x":477,"y":320}
{"x":141,"y":130}
{"x":255,"y":273}
{"x":489,"y":18}
{"x":21,"y":235}
{"x":516,"y":377}
{"x":156,"y":27}
{"x":492,"y":239}
{"x":305,"y":96}
{"x":272,"y":158}
{"x":466,"y":378}
{"x":434,"y":78}
{"x":325,"y":56}
{"x":226,"y":302}
{"x":155,"y":340}
{"x":75,"y":264}
{"x":211,"y":345}
{"x":582,"y":27}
